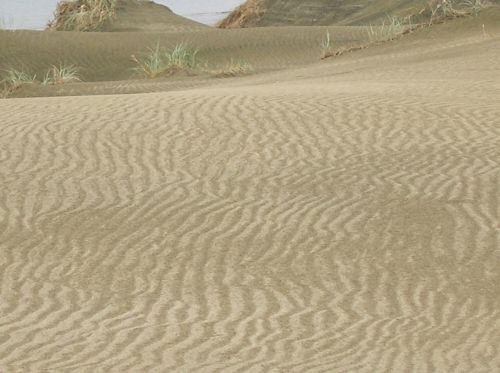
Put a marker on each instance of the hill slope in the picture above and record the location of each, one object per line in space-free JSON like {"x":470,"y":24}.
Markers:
{"x":118,"y":15}
{"x":318,"y":12}
{"x":137,"y":15}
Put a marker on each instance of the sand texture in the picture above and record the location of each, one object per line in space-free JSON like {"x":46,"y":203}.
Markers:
{"x":339,"y":216}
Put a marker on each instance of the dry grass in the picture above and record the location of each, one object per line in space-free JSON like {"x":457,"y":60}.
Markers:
{"x":441,"y":10}
{"x":82,"y":15}
{"x":159,"y":62}
{"x":233,"y":69}
{"x":347,"y":49}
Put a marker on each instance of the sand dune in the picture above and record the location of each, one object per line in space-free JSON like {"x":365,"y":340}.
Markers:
{"x":119,"y":16}
{"x":106,"y":56}
{"x":259,"y":13}
{"x":336,"y":217}
{"x":140,"y":15}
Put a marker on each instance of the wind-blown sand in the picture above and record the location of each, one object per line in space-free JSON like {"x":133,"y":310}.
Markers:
{"x":337,"y":217}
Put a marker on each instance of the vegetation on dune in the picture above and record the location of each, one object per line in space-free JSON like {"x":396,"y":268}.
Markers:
{"x":437,"y":11}
{"x":233,"y":69}
{"x":159,"y":62}
{"x":441,"y":10}
{"x":14,"y":79}
{"x":326,"y":46}
{"x":61,"y":74}
{"x":342,"y":12}
{"x":82,"y":15}
{"x":182,"y":58}
{"x":244,"y":14}
{"x":394,"y":28}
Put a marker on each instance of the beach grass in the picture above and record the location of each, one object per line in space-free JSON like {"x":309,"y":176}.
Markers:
{"x":16,"y":78}
{"x":441,"y":10}
{"x":82,"y":15}
{"x":326,"y":46}
{"x":391,"y":29}
{"x":61,"y":74}
{"x":13,"y":79}
{"x":159,"y":62}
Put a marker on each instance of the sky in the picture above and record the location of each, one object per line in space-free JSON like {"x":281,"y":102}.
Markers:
{"x":34,"y":14}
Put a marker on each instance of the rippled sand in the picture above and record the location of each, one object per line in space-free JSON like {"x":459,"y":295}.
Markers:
{"x":341,"y":217}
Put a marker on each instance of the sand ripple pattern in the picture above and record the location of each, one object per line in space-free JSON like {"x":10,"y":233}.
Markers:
{"x":347,"y":227}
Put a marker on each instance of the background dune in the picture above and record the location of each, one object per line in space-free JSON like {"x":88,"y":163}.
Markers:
{"x":106,"y":56}
{"x":317,"y":12}
{"x":261,"y":13}
{"x":340,"y":216}
{"x":145,"y":15}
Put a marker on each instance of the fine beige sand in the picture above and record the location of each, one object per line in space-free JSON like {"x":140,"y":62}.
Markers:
{"x":330,"y":216}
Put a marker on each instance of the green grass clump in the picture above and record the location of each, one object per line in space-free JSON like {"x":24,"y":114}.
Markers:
{"x":82,"y":15}
{"x":61,"y":74}
{"x":159,"y":62}
{"x":234,"y":68}
{"x":16,"y":78}
{"x":153,"y":64}
{"x":182,"y":57}
{"x":326,"y":46}
{"x":13,"y":79}
{"x":391,"y":29}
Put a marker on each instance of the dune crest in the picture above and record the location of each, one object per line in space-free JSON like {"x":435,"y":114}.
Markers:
{"x":245,"y":15}
{"x":117,"y":15}
{"x":260,"y":13}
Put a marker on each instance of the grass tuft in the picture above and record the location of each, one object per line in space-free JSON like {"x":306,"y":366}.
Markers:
{"x":391,"y":29}
{"x":61,"y":74}
{"x":82,"y":15}
{"x":326,"y":46}
{"x":182,"y":57}
{"x":233,"y":69}
{"x":13,"y":80}
{"x":441,"y":10}
{"x":159,"y":62}
{"x":153,"y":64}
{"x":16,"y":78}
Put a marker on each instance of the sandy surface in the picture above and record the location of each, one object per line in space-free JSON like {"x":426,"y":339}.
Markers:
{"x":106,"y":57}
{"x":336,"y":217}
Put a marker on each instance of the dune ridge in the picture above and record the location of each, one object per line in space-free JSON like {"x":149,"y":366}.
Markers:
{"x":118,"y":16}
{"x":261,"y":13}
